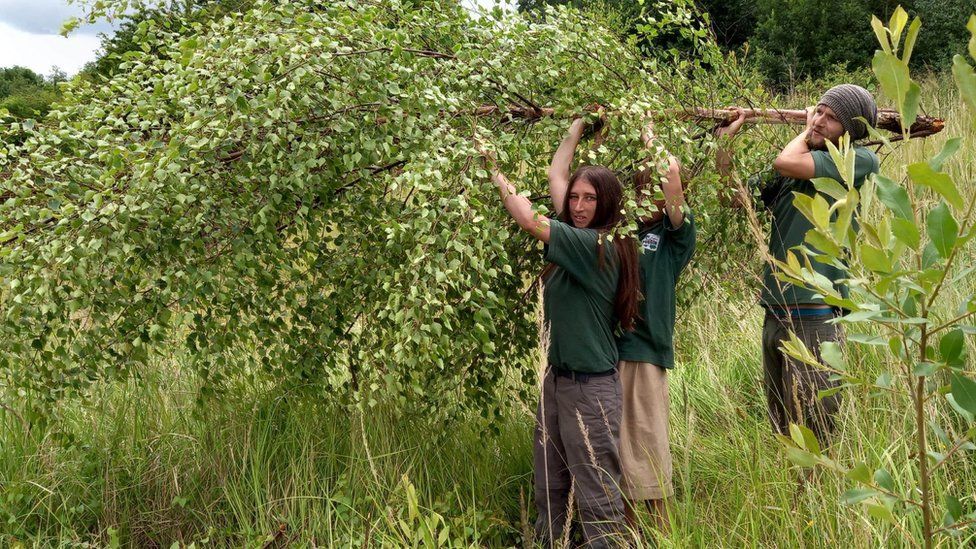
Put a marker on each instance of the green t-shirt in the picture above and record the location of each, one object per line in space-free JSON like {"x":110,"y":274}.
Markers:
{"x":578,"y":300}
{"x":789,"y":226}
{"x":666,"y":251}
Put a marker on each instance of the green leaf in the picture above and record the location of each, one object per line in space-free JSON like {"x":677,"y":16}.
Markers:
{"x":822,"y":244}
{"x":895,"y":197}
{"x":804,"y":438}
{"x":832,"y":353}
{"x":821,"y":212}
{"x":896,"y":24}
{"x":909,"y":109}
{"x":906,"y":232}
{"x":939,"y":432}
{"x":953,"y":507}
{"x":825,"y":393}
{"x":895,"y":81}
{"x":861,"y":316}
{"x":965,"y":80}
{"x":868,"y":339}
{"x":951,"y":146}
{"x":800,"y":457}
{"x":860,"y":473}
{"x":964,"y":392}
{"x":923,"y":174}
{"x":874,"y":259}
{"x":962,"y":411}
{"x":881,"y":33}
{"x":830,"y":187}
{"x":930,"y":257}
{"x":971,"y":25}
{"x":942,"y":229}
{"x":910,"y":40}
{"x":880,"y":512}
{"x":883,"y":479}
{"x":857,"y":495}
{"x":69,"y":26}
{"x":951,"y":345}
{"x":924,"y":369}
{"x":883,"y":381}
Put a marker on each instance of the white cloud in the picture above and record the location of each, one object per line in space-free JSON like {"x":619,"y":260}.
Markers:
{"x":40,"y":52}
{"x":45,"y":16}
{"x":29,"y":34}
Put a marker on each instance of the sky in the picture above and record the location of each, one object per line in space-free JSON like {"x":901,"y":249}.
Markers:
{"x":29,"y":35}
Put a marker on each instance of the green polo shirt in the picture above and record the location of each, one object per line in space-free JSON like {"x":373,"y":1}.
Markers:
{"x":578,"y":300}
{"x":665,"y":252}
{"x":789,"y":226}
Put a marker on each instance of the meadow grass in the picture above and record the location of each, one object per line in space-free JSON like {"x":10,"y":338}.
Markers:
{"x":147,"y":467}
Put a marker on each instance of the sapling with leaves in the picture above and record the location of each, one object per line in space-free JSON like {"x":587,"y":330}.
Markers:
{"x":915,"y":234}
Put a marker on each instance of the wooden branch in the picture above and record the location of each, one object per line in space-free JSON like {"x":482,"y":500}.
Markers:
{"x":421,"y":53}
{"x":528,"y":113}
{"x":888,"y":119}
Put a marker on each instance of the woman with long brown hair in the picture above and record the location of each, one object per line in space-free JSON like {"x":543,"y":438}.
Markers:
{"x":590,"y":287}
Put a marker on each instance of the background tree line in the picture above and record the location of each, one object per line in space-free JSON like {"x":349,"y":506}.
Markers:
{"x":26,"y":94}
{"x":791,"y":40}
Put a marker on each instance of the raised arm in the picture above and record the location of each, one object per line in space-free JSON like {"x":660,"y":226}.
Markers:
{"x":559,"y":168}
{"x":519,"y":207}
{"x":674,"y":195}
{"x":795,"y":159}
{"x":723,"y":160}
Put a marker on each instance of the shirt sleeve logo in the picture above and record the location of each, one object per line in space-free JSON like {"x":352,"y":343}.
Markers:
{"x":650,"y":242}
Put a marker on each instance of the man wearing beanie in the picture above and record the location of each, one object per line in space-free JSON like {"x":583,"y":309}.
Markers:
{"x":792,"y":387}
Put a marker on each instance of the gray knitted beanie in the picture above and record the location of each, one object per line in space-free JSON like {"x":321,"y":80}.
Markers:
{"x":848,"y":102}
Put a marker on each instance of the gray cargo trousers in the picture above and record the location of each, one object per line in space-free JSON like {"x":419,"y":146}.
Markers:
{"x":577,"y":461}
{"x":791,"y":386}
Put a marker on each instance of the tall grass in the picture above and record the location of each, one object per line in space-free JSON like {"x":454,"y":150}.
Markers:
{"x":146,"y":467}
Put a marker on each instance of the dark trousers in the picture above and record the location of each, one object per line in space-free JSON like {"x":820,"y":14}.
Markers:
{"x":791,"y":386}
{"x":576,"y":458}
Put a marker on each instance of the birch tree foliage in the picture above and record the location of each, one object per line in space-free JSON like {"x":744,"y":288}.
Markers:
{"x":291,"y":193}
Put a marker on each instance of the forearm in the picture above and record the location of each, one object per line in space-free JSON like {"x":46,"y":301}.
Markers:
{"x":723,"y":164}
{"x":733,"y":196}
{"x":520,"y":208}
{"x":796,"y":146}
{"x":674,"y":195}
{"x":795,"y":159}
{"x":559,"y":169}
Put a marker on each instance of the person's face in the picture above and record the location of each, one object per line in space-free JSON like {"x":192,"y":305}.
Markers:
{"x":824,"y":127}
{"x":582,"y":203}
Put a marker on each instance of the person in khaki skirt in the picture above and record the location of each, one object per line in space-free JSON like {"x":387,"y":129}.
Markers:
{"x":646,"y":354}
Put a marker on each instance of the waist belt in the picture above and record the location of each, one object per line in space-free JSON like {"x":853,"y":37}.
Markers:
{"x":582,"y":377}
{"x":784,"y":313}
